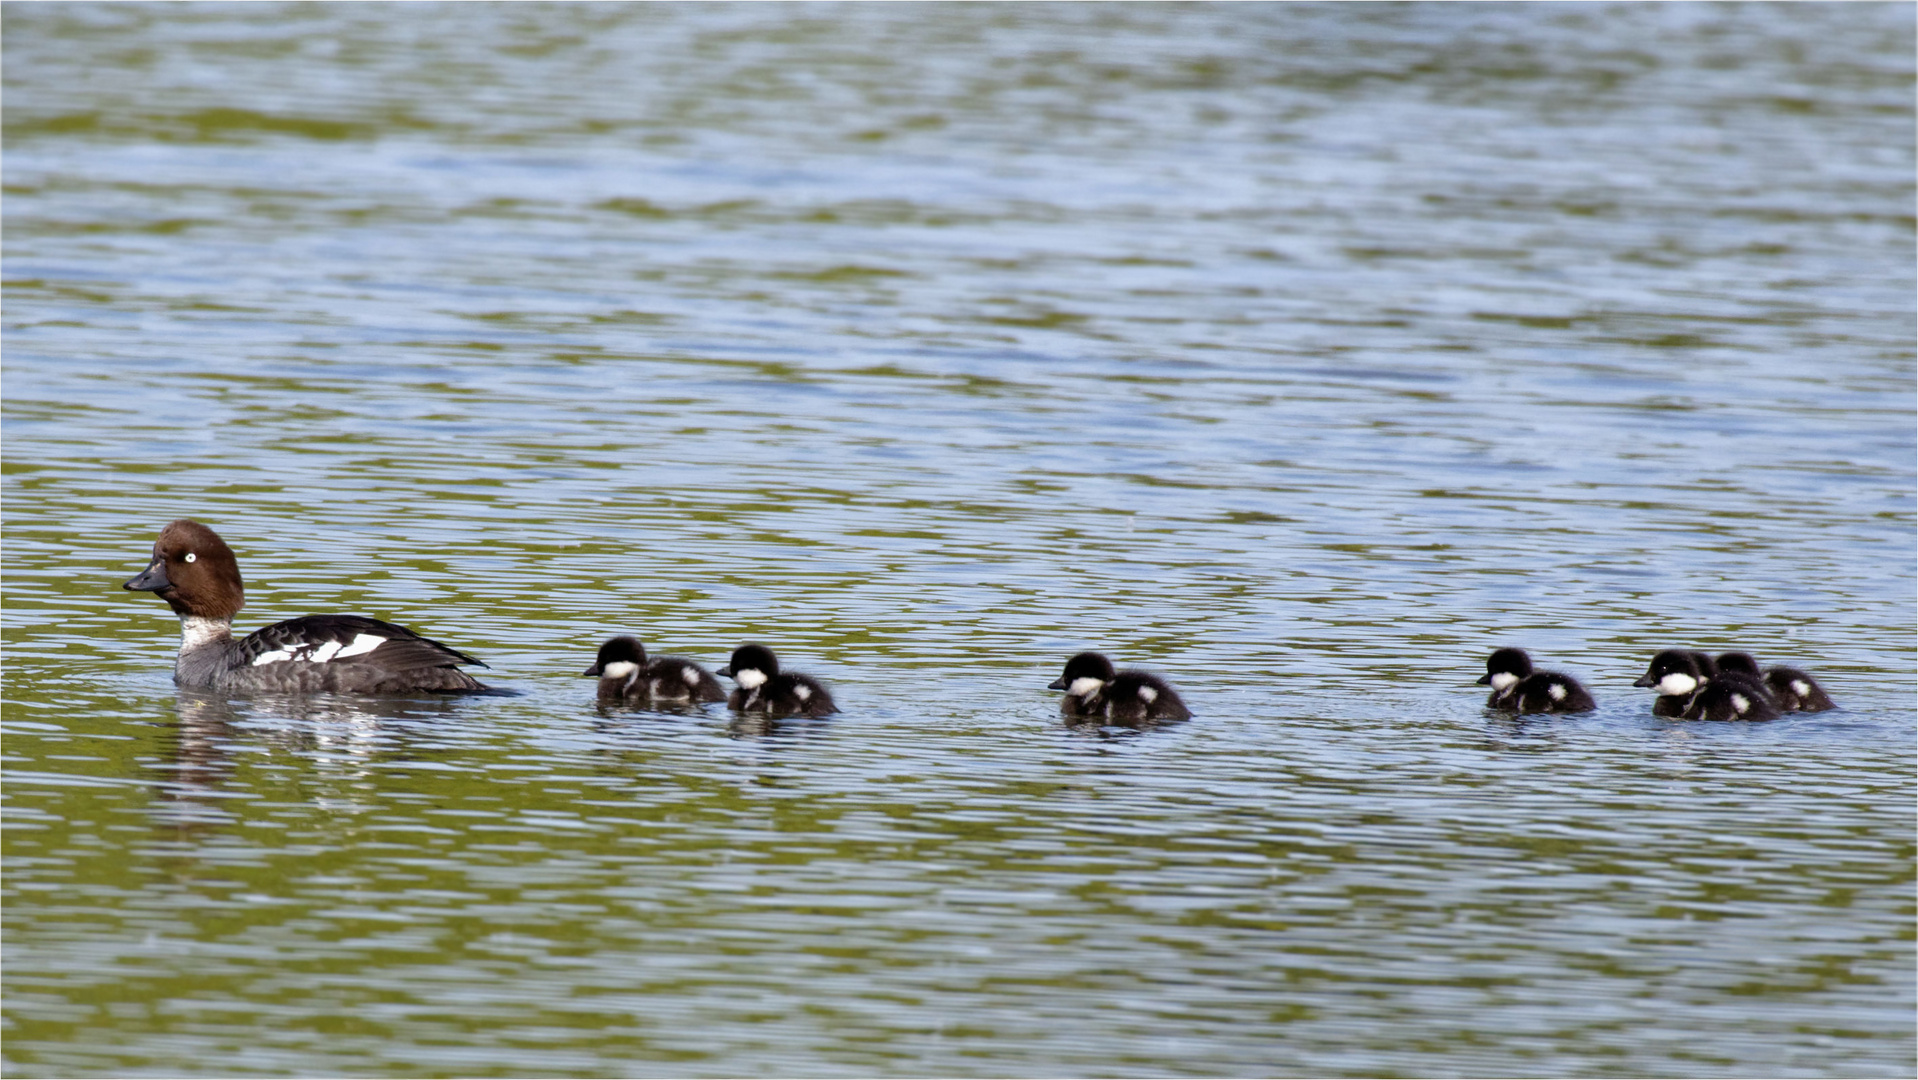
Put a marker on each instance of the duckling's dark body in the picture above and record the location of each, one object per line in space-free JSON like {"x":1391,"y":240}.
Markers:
{"x":1551,"y":692}
{"x":1789,"y":688}
{"x":1796,"y":691}
{"x":1094,"y":689}
{"x":1516,"y":687}
{"x":627,"y":675}
{"x":763,"y":688}
{"x":1732,"y":695}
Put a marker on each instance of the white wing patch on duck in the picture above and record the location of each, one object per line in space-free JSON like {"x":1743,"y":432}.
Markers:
{"x":362,"y":643}
{"x":1557,"y":690}
{"x":325,"y":651}
{"x":690,"y":674}
{"x":1148,"y":694}
{"x":803,"y":692}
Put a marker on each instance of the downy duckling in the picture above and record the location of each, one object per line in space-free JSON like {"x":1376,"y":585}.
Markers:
{"x":626,"y":675}
{"x":764,"y":688}
{"x":1517,"y":687}
{"x":1094,"y":689}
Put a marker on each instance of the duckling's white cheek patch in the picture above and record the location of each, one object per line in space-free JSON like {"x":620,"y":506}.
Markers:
{"x":749,"y":678}
{"x":621,"y":669}
{"x":1503,"y":680}
{"x":363,"y":643}
{"x":1677,"y":684}
{"x":1085,"y":686}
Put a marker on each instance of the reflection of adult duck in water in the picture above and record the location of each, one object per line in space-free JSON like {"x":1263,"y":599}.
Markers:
{"x":763,"y":688}
{"x":1094,"y":689}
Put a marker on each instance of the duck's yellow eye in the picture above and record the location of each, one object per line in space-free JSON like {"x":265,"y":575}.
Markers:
{"x":191,"y":556}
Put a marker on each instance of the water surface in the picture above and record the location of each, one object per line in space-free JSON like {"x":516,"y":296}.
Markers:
{"x":1302,"y":354}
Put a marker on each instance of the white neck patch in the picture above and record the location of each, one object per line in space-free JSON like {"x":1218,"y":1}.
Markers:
{"x":749,"y":678}
{"x":1677,"y":684}
{"x":1085,"y":686}
{"x":198,"y":630}
{"x":1503,"y":680}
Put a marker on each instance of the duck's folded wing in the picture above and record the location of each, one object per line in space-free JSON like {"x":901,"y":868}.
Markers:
{"x":347,"y":639}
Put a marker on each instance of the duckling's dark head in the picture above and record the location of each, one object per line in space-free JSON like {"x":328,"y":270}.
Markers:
{"x":1084,"y":674}
{"x":1505,"y":667}
{"x":751,"y":666}
{"x":619,"y":650}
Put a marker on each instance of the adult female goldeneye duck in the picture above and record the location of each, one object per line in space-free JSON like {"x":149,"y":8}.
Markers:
{"x":1732,"y":695}
{"x":1093,"y":688}
{"x":196,"y":574}
{"x":1515,"y":686}
{"x":626,"y":675}
{"x":1796,"y":691}
{"x":1676,"y":674}
{"x":764,"y":688}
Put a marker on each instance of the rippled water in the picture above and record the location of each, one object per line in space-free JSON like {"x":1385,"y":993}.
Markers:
{"x":1302,"y":354}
